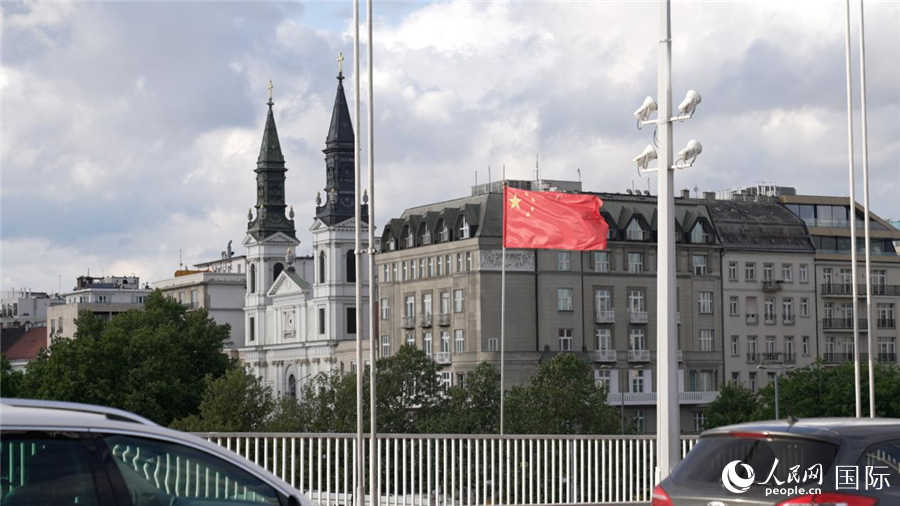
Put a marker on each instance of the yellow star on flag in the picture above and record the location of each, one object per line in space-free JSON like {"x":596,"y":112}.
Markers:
{"x":514,"y":201}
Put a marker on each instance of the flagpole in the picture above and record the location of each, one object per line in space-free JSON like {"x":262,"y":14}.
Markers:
{"x":865,"y":168}
{"x":370,"y":162}
{"x":360,"y":449}
{"x":502,"y":305}
{"x":856,"y":384}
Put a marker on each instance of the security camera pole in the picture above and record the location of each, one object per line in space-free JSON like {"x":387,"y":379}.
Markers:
{"x":668,"y":427}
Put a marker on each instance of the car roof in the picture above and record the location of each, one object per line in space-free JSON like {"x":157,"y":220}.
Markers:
{"x":829,"y":429}
{"x":35,"y":410}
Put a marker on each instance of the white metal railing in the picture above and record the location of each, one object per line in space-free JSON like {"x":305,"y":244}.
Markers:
{"x":637,"y":316}
{"x":605,"y":316}
{"x":638,"y":355}
{"x":460,"y":470}
{"x":605,"y":355}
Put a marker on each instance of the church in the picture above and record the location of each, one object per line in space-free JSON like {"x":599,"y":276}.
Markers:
{"x":298,"y":310}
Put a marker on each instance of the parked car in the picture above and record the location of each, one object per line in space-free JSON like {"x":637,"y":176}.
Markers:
{"x":68,"y":453}
{"x":825,"y":461}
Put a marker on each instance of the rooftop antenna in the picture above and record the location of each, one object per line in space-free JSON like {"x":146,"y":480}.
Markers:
{"x":489,"y":173}
{"x":579,"y":174}
{"x":696,"y":191}
{"x":180,"y":262}
{"x":476,"y":177}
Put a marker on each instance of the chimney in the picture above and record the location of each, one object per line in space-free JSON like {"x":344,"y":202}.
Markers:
{"x":685,"y":193}
{"x":647,"y":192}
{"x":628,"y":191}
{"x":709,"y":195}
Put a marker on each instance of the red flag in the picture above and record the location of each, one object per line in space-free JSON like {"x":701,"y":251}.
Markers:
{"x":552,"y":220}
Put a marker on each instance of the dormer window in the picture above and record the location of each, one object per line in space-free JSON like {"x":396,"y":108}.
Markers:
{"x":463,"y":228}
{"x":634,"y":232}
{"x":392,"y":244}
{"x":699,"y":235}
{"x":410,"y":238}
{"x":425,"y":235}
{"x":444,"y":231}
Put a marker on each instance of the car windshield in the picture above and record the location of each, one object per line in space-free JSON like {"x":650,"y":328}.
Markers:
{"x":721,"y":462}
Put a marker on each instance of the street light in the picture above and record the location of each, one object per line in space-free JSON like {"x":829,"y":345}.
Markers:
{"x":763,"y":368}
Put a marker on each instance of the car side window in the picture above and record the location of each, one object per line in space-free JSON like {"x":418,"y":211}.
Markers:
{"x":884,"y":454}
{"x":47,"y":469}
{"x":163,"y":473}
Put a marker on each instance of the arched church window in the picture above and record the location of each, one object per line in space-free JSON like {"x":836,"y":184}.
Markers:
{"x":351,"y":266}
{"x":276,"y":270}
{"x":292,"y":386}
{"x":322,"y":267}
{"x":252,"y":278}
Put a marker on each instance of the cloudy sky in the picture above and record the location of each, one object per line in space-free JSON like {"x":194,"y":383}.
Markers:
{"x":130,"y":129}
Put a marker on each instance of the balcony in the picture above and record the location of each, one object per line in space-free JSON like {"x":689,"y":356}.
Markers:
{"x":442,"y":358}
{"x":837,"y":358}
{"x":605,"y":316}
{"x":886,"y":323}
{"x":426,"y":320}
{"x":771,"y":286}
{"x":408,"y":322}
{"x":752,"y":358}
{"x":639,"y":398}
{"x":444,"y":319}
{"x":604,"y":356}
{"x":637,"y":316}
{"x":752,"y":319}
{"x":887,"y":357}
{"x":638,"y":355}
{"x":777,"y":358}
{"x":846,"y":290}
{"x":843,"y":324}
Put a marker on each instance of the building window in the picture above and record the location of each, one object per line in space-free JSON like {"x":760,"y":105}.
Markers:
{"x":699,"y":421}
{"x":768,"y":272}
{"x":565,"y":339}
{"x":394,"y":272}
{"x":427,"y":308}
{"x":787,"y":273}
{"x":563,"y":261}
{"x":422,"y":269}
{"x":604,"y":339}
{"x":463,"y":228}
{"x":321,"y":320}
{"x":704,"y":302}
{"x":409,"y":306}
{"x":769,"y":310}
{"x":635,"y":262}
{"x":636,"y":301}
{"x":386,"y":273}
{"x":749,"y":271}
{"x":788,"y":347}
{"x":430,"y":267}
{"x":276,"y":270}
{"x":385,"y":346}
{"x":385,"y":307}
{"x":634,"y":232}
{"x":459,"y":341}
{"x":440,"y":266}
{"x":251,"y":323}
{"x":699,"y":262}
{"x":251,"y":279}
{"x":706,"y":339}
{"x":447,"y":264}
{"x":804,"y":307}
{"x":564,"y":299}
{"x":445,"y":302}
{"x":603,"y":309}
{"x":458,"y":301}
{"x":787,"y":309}
{"x":410,"y":237}
{"x":351,"y":320}
{"x":637,"y":380}
{"x":459,"y":262}
{"x":444,"y":231}
{"x":292,"y":386}
{"x":752,"y":376}
{"x":603,"y":379}
{"x":733,"y":305}
{"x":414,"y":270}
{"x":493,"y":344}
{"x":445,"y":342}
{"x":735,"y":377}
{"x":735,"y":346}
{"x":322,"y":269}
{"x":427,"y":344}
{"x":411,"y":339}
{"x":732,"y":271}
{"x":468,"y":261}
{"x":699,"y":235}
{"x":405,"y":271}
{"x":601,"y":261}
{"x":752,"y":349}
{"x":638,"y":339}
{"x":804,"y":273}
{"x":640,"y":421}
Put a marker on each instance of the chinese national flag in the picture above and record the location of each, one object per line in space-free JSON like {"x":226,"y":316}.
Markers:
{"x":552,"y":220}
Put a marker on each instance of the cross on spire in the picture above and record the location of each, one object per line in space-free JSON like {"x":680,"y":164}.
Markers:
{"x":340,"y":61}
{"x":269,"y":87}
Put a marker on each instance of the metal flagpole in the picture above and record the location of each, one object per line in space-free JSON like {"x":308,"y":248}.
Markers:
{"x":370,"y":161}
{"x":856,"y":385}
{"x":360,"y":463}
{"x":502,"y":304}
{"x":668,"y":426}
{"x":865,"y":168}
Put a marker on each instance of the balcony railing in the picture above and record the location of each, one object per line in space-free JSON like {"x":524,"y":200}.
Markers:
{"x":426,"y":320}
{"x":408,"y":322}
{"x":638,"y":398}
{"x":843,"y":323}
{"x":442,"y":357}
{"x":887,"y":357}
{"x":638,"y":355}
{"x":605,"y":356}
{"x":444,"y":319}
{"x":771,"y":286}
{"x":886,"y":323}
{"x":846,"y":289}
{"x":837,"y":357}
{"x":777,"y":358}
{"x":605,"y":316}
{"x":637,"y":316}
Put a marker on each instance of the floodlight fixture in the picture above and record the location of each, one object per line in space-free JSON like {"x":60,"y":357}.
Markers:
{"x":642,"y":114}
{"x":689,"y":104}
{"x":646,"y":156}
{"x":688,"y":155}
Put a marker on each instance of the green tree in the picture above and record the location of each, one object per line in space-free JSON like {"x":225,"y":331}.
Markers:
{"x":153,"y":362}
{"x":472,"y":408}
{"x":562,"y":398}
{"x":735,"y":404}
{"x":10,"y":380}
{"x":235,"y":402}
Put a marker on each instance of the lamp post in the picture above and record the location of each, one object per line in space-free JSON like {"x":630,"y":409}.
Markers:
{"x":776,"y":369}
{"x":668,"y":428}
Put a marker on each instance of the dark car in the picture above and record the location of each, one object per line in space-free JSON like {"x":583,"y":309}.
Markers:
{"x":823,"y":461}
{"x":69,"y":453}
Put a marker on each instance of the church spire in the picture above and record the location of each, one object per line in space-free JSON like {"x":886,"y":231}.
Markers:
{"x":339,"y":186}
{"x":270,"y":176}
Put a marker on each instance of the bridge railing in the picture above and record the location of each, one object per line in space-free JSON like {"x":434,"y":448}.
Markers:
{"x":459,"y":470}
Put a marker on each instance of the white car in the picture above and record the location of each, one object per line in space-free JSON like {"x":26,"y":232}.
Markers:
{"x":68,"y":453}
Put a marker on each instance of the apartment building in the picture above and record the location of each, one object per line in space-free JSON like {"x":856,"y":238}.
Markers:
{"x":104,"y":296}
